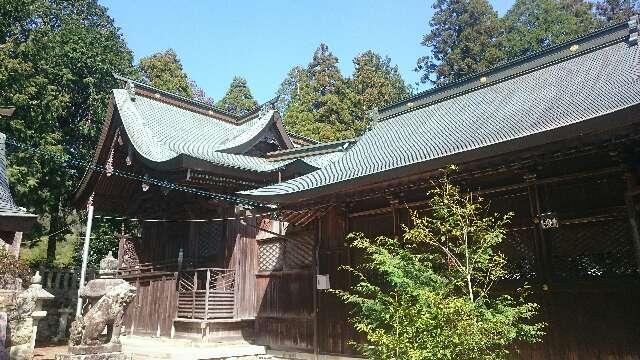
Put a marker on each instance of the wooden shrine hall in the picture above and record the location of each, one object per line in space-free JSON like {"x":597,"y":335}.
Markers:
{"x":553,"y":137}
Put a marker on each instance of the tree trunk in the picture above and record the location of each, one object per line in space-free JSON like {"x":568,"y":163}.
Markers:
{"x":55,"y":224}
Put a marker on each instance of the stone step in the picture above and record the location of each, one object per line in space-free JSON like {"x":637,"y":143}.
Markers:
{"x":144,"y":348}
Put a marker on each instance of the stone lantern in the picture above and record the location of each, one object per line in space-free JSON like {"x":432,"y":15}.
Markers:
{"x":24,"y":325}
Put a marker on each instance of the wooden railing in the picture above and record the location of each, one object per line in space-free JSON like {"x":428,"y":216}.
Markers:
{"x":206,"y":293}
{"x":156,"y":268}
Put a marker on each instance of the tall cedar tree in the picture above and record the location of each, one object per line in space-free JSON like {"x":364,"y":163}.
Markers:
{"x":289,"y":87}
{"x":376,"y":82}
{"x":323,"y":105}
{"x":613,"y":11}
{"x":56,"y":65}
{"x":238,"y":99}
{"x":164,"y":71}
{"x":462,"y":40}
{"x":532,"y":25}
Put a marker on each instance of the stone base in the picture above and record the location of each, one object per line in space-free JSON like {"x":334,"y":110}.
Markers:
{"x":103,"y":356}
{"x":95,"y":349}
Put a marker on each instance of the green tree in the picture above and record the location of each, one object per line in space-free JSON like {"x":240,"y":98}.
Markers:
{"x":613,"y":11}
{"x":290,"y":87}
{"x":428,"y":295}
{"x":532,"y":25}
{"x":323,"y":107}
{"x":164,"y":71}
{"x":56,"y":65}
{"x":462,"y":40}
{"x":238,"y":99}
{"x":376,"y":82}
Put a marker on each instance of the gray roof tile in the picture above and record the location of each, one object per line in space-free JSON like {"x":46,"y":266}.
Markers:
{"x":560,"y":93}
{"x":7,"y":206}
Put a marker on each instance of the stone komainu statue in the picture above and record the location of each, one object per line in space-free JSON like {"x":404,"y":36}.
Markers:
{"x":107,"y":311}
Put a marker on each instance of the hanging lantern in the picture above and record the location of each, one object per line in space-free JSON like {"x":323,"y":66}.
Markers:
{"x":548,"y":220}
{"x":145,"y":184}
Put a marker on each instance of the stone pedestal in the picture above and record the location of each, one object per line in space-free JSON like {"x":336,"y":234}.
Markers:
{"x":103,"y":356}
{"x":3,"y":336}
{"x":108,"y":297}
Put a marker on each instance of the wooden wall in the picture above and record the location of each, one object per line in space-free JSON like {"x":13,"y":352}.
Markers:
{"x":583,"y":273}
{"x":284,"y":289}
{"x":224,"y":244}
{"x":154,"y":306}
{"x":240,"y":254}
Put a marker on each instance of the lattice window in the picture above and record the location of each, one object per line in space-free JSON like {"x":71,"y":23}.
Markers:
{"x":597,"y":249}
{"x":209,"y":237}
{"x":271,"y":254}
{"x":295,"y":252}
{"x":130,"y":252}
{"x":299,"y":251}
{"x":518,"y":248}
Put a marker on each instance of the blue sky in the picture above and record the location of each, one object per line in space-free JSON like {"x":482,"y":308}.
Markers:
{"x":261,"y":40}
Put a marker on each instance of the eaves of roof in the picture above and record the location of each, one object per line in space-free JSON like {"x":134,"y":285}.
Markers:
{"x":557,"y":94}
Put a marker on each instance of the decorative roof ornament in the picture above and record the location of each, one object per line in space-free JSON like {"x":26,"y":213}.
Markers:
{"x":265,"y":108}
{"x":633,"y":30}
{"x":131,"y":89}
{"x":109,"y":166}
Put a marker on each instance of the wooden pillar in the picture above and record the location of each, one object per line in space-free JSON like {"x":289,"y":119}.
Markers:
{"x":541,"y":251}
{"x":316,"y":271}
{"x":206,"y":295}
{"x":193,"y":294}
{"x":15,"y":246}
{"x":633,"y":218}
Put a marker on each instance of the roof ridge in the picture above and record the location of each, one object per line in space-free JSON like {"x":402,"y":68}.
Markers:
{"x":306,"y":138}
{"x":202,"y":104}
{"x":500,"y":71}
{"x":333,"y":146}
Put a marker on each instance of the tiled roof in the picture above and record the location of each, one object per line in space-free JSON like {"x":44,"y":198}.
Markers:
{"x":566,"y":85}
{"x":161,"y":132}
{"x":7,"y":206}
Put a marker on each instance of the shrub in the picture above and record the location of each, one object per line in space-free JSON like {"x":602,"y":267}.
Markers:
{"x":12,"y":268}
{"x":428,"y":294}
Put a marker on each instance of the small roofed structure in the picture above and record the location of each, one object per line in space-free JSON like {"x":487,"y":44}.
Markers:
{"x":14,"y":220}
{"x":173,"y":166}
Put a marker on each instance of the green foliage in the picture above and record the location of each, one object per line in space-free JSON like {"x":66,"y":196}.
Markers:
{"x":532,"y":25}
{"x":35,"y":255}
{"x":104,"y":239}
{"x":164,"y":71}
{"x":614,"y":11}
{"x":289,"y":88}
{"x":462,"y":40}
{"x":376,"y":82}
{"x":427,"y":295}
{"x":323,"y":106}
{"x":56,"y":65}
{"x":466,"y":36}
{"x":238,"y":99}
{"x":11,"y":267}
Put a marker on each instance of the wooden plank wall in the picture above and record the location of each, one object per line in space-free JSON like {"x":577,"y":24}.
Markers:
{"x":284,"y":294}
{"x":154,"y":306}
{"x":285,"y":312}
{"x":240,"y":253}
{"x":588,"y":318}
